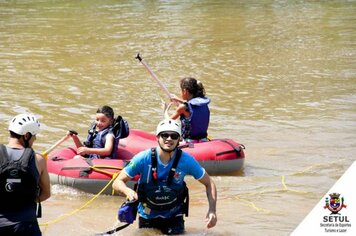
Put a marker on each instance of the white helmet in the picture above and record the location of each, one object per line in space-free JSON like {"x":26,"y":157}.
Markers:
{"x":25,"y":123}
{"x":169,"y":125}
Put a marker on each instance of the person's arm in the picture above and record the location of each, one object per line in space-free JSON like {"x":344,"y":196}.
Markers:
{"x":176,"y":99}
{"x":181,"y":109}
{"x":75,"y":139}
{"x":103,"y":152}
{"x":44,"y":182}
{"x":211,"y":194}
{"x":120,"y":185}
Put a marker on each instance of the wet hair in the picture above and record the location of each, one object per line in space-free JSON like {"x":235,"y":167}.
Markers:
{"x":193,"y":86}
{"x":107,"y":111}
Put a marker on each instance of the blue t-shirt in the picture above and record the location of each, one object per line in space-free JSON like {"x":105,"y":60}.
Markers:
{"x":141,"y":164}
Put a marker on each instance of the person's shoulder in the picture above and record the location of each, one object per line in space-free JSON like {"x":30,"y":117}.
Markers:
{"x":140,"y":160}
{"x":109,"y":131}
{"x":146,"y":151}
{"x":143,"y":154}
{"x":37,"y":154}
{"x":187,"y":156}
{"x":110,"y":134}
{"x":41,"y":161}
{"x":184,"y":153}
{"x":182,"y":106}
{"x":192,"y":166}
{"x":199,"y":101}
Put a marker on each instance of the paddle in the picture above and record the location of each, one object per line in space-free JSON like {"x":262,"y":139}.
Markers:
{"x":161,"y":85}
{"x":62,"y":140}
{"x":166,"y":109}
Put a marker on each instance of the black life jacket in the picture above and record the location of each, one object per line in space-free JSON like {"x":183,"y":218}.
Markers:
{"x":18,"y":179}
{"x":159,"y":195}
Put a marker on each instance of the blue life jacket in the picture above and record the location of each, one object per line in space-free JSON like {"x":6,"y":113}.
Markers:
{"x":163,"y":195}
{"x":196,"y":125}
{"x":97,"y":140}
{"x":120,"y":129}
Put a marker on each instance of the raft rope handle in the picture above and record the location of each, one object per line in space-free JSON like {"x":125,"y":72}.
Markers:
{"x":63,"y":216}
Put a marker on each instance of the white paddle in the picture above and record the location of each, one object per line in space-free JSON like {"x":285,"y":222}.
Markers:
{"x":161,"y":85}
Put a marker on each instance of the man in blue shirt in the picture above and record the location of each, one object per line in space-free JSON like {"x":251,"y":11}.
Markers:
{"x":162,"y":192}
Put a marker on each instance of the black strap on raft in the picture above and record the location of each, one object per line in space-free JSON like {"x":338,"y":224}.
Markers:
{"x":58,"y":158}
{"x":154,"y":166}
{"x":235,"y":149}
{"x":87,"y":170}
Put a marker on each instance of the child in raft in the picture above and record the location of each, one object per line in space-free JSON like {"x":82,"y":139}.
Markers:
{"x":101,"y":140}
{"x":192,"y":110}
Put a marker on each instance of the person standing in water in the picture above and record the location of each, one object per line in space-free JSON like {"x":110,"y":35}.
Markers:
{"x":162,"y":192}
{"x":24,"y":179}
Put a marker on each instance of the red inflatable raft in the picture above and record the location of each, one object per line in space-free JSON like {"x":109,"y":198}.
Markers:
{"x":88,"y":175}
{"x":218,"y":156}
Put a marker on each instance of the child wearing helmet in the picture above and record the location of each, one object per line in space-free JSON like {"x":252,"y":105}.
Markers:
{"x":24,"y":179}
{"x":162,"y":171}
{"x":192,"y":110}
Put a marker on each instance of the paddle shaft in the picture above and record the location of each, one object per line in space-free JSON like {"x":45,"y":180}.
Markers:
{"x":161,"y":85}
{"x":59,"y":142}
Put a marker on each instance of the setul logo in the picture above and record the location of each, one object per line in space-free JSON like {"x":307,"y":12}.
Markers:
{"x":334,"y":204}
{"x":331,"y":215}
{"x":335,"y":222}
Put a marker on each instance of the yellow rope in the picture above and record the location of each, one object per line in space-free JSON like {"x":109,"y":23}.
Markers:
{"x":114,"y":176}
{"x":318,"y":165}
{"x":252,"y":205}
{"x":288,"y":189}
{"x":258,"y":209}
